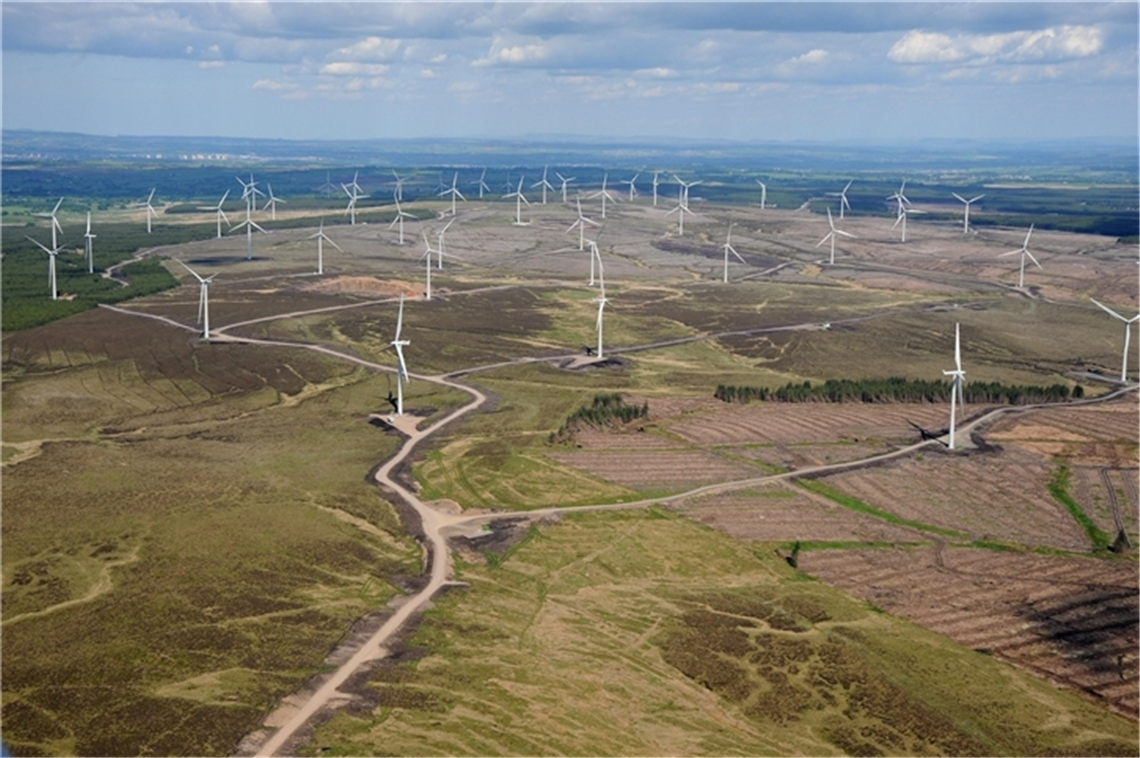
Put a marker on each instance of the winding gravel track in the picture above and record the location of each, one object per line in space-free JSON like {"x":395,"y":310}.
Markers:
{"x":436,"y":524}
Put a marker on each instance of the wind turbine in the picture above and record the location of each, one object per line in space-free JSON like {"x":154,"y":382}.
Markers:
{"x":321,"y":237}
{"x":903,"y":213}
{"x":728,"y":248}
{"x":685,"y":189}
{"x":87,"y":238}
{"x":544,"y":184}
{"x":1128,"y":322}
{"x":150,"y":211}
{"x":958,"y":375}
{"x":271,"y":204}
{"x":601,"y":298}
{"x":439,"y":241}
{"x":519,"y":200}
{"x":51,"y":267}
{"x":565,"y":181}
{"x":400,"y":216}
{"x":426,"y":257}
{"x":203,"y":301}
{"x":1024,"y":251}
{"x":900,"y":198}
{"x":603,"y":193}
{"x":221,"y":214}
{"x":681,"y":209}
{"x":831,"y":236}
{"x":842,"y":199}
{"x":655,"y":175}
{"x":249,"y":192}
{"x":249,"y":225}
{"x":966,"y":220}
{"x":632,"y":186}
{"x":350,"y":209}
{"x":399,"y":191}
{"x":328,"y":187}
{"x":594,"y":256}
{"x":454,"y":192}
{"x":401,"y":367}
{"x":763,"y":194}
{"x":481,"y":184}
{"x":581,"y":224}
{"x":54,"y":223}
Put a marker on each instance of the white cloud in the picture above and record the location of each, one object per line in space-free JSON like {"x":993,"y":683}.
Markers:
{"x":204,"y":65}
{"x":513,"y":55}
{"x":812,"y":56}
{"x":348,"y":68}
{"x":1052,"y":44}
{"x":659,"y":72}
{"x":370,"y":49}
{"x":274,"y":85}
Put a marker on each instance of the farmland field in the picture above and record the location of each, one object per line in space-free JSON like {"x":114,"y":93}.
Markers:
{"x":190,"y":528}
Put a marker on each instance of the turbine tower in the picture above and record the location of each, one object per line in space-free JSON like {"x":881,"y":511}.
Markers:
{"x":321,"y":238}
{"x":203,"y":301}
{"x":249,"y":225}
{"x":655,"y":183}
{"x":601,"y":298}
{"x":271,"y":204}
{"x":454,"y":192}
{"x":150,"y":211}
{"x":350,"y":209}
{"x":831,"y":236}
{"x":681,"y":209}
{"x":565,"y":180}
{"x":54,"y":223}
{"x":1024,"y":251}
{"x":763,"y":194}
{"x":399,"y":219}
{"x":843,"y":204}
{"x":632,"y":185}
{"x":221,"y":214}
{"x":401,"y":367}
{"x":427,"y":257}
{"x":482,"y":184}
{"x":966,"y":220}
{"x":581,"y":224}
{"x":958,"y":375}
{"x":519,"y":200}
{"x":1128,"y":322}
{"x":439,"y":241}
{"x":728,"y":248}
{"x":604,"y":194}
{"x":903,"y":213}
{"x":89,"y":251}
{"x":51,"y":267}
{"x":399,"y":191}
{"x":544,"y":184}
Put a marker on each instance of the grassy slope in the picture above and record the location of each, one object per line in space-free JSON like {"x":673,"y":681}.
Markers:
{"x":647,"y":634}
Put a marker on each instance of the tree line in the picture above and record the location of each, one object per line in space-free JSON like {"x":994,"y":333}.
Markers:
{"x":899,"y":390}
{"x":606,"y":409}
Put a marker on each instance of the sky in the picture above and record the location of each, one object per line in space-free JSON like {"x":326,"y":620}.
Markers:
{"x":762,"y":71}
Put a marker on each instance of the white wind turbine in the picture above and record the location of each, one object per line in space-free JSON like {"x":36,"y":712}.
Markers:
{"x":685,"y":189}
{"x":427,"y":265}
{"x":1023,"y":251}
{"x":271,"y":203}
{"x":604,"y":194}
{"x":51,"y":268}
{"x":966,"y":220}
{"x":350,"y":209}
{"x":900,"y":198}
{"x":328,"y":187}
{"x":453,"y":190}
{"x":221,"y":214}
{"x":544,"y":184}
{"x":831,"y":235}
{"x":88,"y":246}
{"x":249,"y":225}
{"x":54,"y":222}
{"x":150,"y":211}
{"x":321,"y":238}
{"x":401,"y":367}
{"x":1128,"y":322}
{"x":439,"y":242}
{"x":401,"y":214}
{"x":763,"y":194}
{"x":399,"y":191}
{"x":842,"y":199}
{"x":903,"y":213}
{"x":519,"y":200}
{"x":482,"y":184}
{"x":958,"y":376}
{"x":681,"y":209}
{"x":601,"y":298}
{"x":595,"y":257}
{"x":655,"y":183}
{"x":632,"y":186}
{"x":728,"y":248}
{"x":249,"y":192}
{"x":565,"y":180}
{"x":581,"y":224}
{"x":203,"y":301}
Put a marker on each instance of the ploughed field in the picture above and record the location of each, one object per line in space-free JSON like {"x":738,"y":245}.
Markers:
{"x":972,"y":545}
